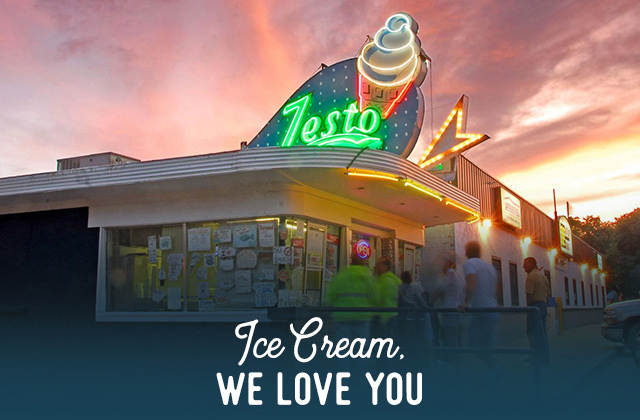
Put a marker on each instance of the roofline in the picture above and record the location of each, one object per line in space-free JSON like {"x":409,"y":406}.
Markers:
{"x":247,"y":160}
{"x":99,"y":153}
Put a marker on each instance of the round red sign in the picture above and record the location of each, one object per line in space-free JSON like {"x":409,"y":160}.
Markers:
{"x":363,"y":249}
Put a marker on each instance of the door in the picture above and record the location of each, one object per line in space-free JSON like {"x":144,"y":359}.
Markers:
{"x":314,"y":267}
{"x":409,"y":262}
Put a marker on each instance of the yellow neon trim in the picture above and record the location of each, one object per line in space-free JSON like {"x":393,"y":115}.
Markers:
{"x":389,"y":177}
{"x":469,"y":138}
{"x":294,"y":227}
{"x":477,"y":219}
{"x":264,"y":219}
{"x":452,"y":150}
{"x":412,"y":185}
{"x":451,"y":203}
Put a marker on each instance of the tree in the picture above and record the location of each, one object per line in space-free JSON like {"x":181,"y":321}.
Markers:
{"x":624,"y":253}
{"x":620,"y":241}
{"x":593,"y":231}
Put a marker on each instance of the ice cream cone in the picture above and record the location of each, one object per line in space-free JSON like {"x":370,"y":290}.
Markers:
{"x":383,"y":99}
{"x":389,"y":65}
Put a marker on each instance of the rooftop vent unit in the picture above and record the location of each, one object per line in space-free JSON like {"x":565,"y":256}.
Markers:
{"x":98,"y":159}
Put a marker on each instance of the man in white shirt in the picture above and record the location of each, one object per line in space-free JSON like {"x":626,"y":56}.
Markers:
{"x":481,"y":280}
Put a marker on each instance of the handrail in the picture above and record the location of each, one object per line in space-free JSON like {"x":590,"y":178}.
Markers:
{"x":304,"y":312}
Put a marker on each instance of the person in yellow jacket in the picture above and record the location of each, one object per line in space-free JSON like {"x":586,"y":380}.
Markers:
{"x":353,"y":287}
{"x":387,"y":284}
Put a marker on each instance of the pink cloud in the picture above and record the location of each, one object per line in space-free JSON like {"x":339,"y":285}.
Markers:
{"x":173,"y":78}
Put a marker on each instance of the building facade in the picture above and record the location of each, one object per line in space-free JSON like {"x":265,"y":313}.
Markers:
{"x":575,"y":275}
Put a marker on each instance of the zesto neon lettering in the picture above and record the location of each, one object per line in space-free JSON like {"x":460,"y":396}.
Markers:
{"x":342,"y":128}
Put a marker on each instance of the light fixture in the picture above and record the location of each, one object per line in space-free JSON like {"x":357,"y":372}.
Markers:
{"x":526,"y":240}
{"x":294,"y":227}
{"x":424,"y":190}
{"x":376,"y":175}
{"x":486,"y":223}
{"x":553,"y":252}
{"x":584,"y":266}
{"x":458,"y":206}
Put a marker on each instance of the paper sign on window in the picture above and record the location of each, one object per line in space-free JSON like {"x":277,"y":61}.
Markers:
{"x":225,"y":256}
{"x":222,"y":236}
{"x":205,"y":305}
{"x":245,"y":236}
{"x":247,"y":259}
{"x":267,"y":235}
{"x":203,"y":289}
{"x":282,"y":255}
{"x":175,"y":266}
{"x":153,"y":251}
{"x":199,"y":239}
{"x":165,"y":243}
{"x":243,"y":281}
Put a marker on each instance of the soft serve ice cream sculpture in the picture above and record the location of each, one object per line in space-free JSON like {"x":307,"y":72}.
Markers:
{"x":390,"y":64}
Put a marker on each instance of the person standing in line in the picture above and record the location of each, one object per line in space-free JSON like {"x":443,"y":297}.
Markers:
{"x":414,"y":328}
{"x":451,"y":291}
{"x":387,"y":284}
{"x":481,"y":281}
{"x":537,"y":290}
{"x":353,"y":286}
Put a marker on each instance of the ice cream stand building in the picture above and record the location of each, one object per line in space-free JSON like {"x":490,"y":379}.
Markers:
{"x":223,"y":237}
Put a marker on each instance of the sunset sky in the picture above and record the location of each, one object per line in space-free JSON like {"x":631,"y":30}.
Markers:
{"x":554,"y":83}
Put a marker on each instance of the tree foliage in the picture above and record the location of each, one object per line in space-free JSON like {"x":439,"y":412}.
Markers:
{"x":620,"y":241}
{"x":593,"y":231}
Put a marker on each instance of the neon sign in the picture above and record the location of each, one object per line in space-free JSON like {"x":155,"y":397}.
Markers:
{"x":363,"y":249}
{"x":451,"y":140}
{"x":390,"y":64}
{"x":370,"y":101}
{"x":347,"y":127}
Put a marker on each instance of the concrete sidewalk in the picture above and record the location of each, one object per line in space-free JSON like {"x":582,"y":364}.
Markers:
{"x":576,"y":356}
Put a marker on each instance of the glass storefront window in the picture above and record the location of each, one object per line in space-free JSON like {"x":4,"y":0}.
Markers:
{"x":245,"y":274}
{"x":144,"y":269}
{"x":220,"y":266}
